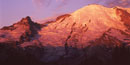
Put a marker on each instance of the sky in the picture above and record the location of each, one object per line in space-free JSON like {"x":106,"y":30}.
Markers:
{"x":11,"y":11}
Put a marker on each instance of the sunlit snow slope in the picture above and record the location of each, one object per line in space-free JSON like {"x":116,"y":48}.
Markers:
{"x":85,"y":25}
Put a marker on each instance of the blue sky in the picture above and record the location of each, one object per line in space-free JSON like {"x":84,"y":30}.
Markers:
{"x":12,"y":11}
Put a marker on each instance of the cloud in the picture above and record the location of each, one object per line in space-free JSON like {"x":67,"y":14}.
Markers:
{"x":122,"y":3}
{"x":109,"y":3}
{"x":46,"y":2}
{"x":41,"y":3}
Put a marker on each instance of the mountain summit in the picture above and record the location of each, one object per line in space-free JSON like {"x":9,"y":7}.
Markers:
{"x":24,"y":29}
{"x":86,"y":25}
{"x":77,"y":34}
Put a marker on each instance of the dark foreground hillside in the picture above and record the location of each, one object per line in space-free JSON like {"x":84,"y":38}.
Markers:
{"x":10,"y":55}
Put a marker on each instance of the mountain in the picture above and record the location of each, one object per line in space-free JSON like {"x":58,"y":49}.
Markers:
{"x":91,"y":31}
{"x":85,"y":25}
{"x":20,"y":32}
